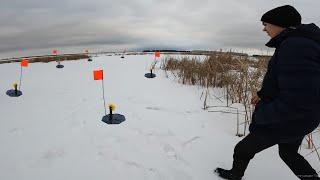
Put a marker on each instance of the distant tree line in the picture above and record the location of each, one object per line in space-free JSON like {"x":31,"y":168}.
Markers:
{"x":165,"y":50}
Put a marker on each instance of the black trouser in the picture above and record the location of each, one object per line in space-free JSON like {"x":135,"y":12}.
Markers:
{"x":252,"y":144}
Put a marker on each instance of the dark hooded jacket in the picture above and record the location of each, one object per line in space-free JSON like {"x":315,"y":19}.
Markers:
{"x":289,"y":107}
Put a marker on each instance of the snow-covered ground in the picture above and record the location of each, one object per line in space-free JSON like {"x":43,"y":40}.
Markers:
{"x":54,"y":130}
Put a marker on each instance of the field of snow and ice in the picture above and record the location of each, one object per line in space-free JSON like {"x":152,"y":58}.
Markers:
{"x":54,"y":130}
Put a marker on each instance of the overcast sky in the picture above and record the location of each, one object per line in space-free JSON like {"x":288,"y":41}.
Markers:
{"x":30,"y":27}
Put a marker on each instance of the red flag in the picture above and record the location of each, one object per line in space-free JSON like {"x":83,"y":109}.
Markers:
{"x":55,"y":52}
{"x":157,"y":54}
{"x":24,"y":63}
{"x":98,"y":75}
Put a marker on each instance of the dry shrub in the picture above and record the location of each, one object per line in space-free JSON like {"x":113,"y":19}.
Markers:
{"x":47,"y":58}
{"x":239,"y":76}
{"x":218,"y":70}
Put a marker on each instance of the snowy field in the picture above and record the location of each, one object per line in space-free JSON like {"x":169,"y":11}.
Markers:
{"x":54,"y":130}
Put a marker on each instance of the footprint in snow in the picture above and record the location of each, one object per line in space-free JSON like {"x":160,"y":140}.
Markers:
{"x":154,"y":108}
{"x":151,"y":173}
{"x":169,"y":150}
{"x":15,"y":130}
{"x":190,"y":141}
{"x":154,"y":174}
{"x":53,"y":154}
{"x":171,"y":153}
{"x":179,"y":174}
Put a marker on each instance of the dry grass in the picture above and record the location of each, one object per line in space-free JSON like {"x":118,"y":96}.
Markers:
{"x":46,"y":59}
{"x":239,"y":76}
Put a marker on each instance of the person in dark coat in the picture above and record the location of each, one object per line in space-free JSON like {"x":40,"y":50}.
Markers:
{"x":287,"y":107}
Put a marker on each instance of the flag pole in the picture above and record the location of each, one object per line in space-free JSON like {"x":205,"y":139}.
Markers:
{"x":104,"y":101}
{"x":155,"y":58}
{"x":20,"y":77}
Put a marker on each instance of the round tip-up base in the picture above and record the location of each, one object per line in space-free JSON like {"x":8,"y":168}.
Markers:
{"x":149,"y":75}
{"x":122,"y":56}
{"x":115,"y":119}
{"x":239,"y":135}
{"x":60,"y":66}
{"x":89,"y":59}
{"x":12,"y":93}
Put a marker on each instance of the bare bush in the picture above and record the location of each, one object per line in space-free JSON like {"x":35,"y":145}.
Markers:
{"x":239,"y":76}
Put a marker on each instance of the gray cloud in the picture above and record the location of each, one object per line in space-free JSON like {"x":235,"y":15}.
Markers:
{"x":40,"y":25}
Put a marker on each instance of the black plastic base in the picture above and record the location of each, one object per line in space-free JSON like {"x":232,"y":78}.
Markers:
{"x":60,"y":66}
{"x":122,"y":56}
{"x":116,"y":119}
{"x":90,"y":59}
{"x":239,"y":135}
{"x":12,"y":93}
{"x":149,"y":75}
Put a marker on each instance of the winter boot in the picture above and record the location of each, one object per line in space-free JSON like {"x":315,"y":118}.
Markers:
{"x":315,"y":177}
{"x":226,"y":174}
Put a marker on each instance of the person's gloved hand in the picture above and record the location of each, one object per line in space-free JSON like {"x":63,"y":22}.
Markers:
{"x":255,"y":99}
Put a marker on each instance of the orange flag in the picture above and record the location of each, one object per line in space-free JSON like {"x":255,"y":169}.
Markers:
{"x":55,"y":52}
{"x":98,"y":75}
{"x":24,"y":63}
{"x":157,"y":54}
